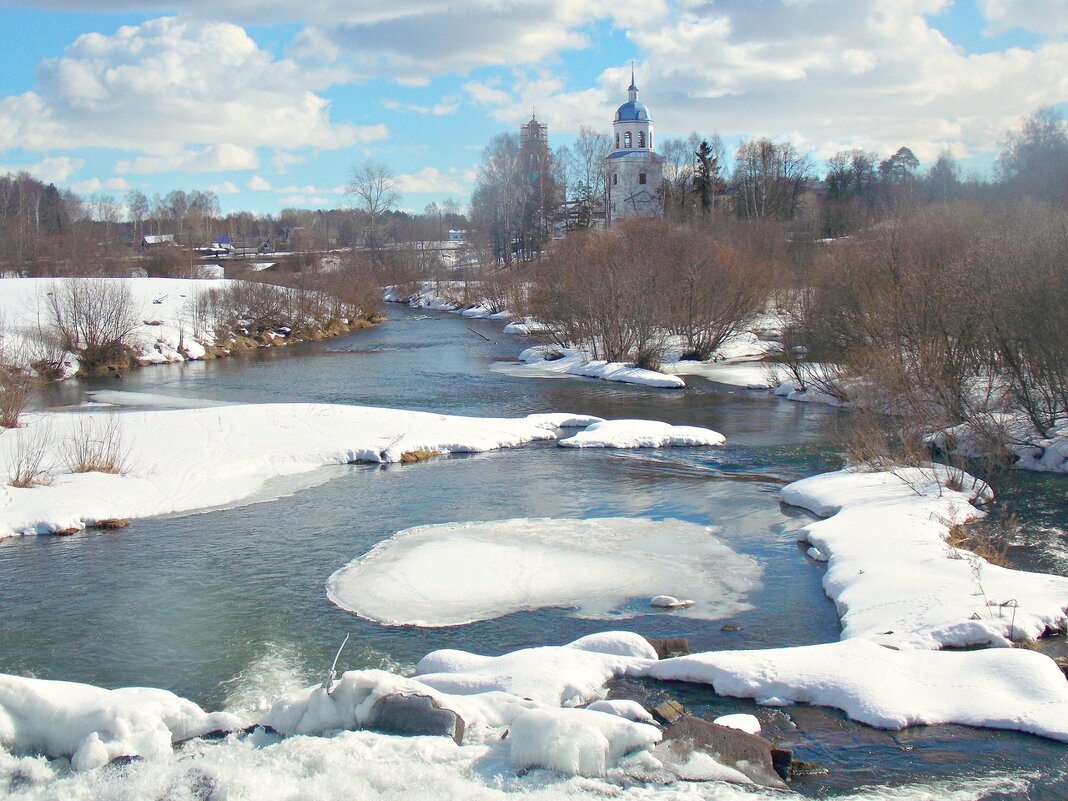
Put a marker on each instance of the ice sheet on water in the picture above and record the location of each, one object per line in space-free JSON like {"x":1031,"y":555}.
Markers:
{"x":455,"y":573}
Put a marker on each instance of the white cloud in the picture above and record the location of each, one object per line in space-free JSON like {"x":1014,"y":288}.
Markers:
{"x":258,"y":184}
{"x":224,"y":188}
{"x":93,"y":185}
{"x":213,"y":158}
{"x":433,"y":180}
{"x":446,"y":106}
{"x":283,"y":159}
{"x":835,"y":74}
{"x":1045,"y":17}
{"x":169,"y":83}
{"x":50,"y":170}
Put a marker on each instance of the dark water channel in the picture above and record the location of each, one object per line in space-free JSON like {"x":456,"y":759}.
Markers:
{"x":211,"y":604}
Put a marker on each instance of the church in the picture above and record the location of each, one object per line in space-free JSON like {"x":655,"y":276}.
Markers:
{"x":633,"y":169}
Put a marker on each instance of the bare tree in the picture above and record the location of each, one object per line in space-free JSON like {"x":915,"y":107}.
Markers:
{"x":94,"y":318}
{"x":373,"y":185}
{"x":1035,"y":160}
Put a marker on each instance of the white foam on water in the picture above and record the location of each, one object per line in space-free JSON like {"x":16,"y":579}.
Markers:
{"x":373,"y":767}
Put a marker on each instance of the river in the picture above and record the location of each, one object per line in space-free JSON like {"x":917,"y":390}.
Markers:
{"x":228,"y":606}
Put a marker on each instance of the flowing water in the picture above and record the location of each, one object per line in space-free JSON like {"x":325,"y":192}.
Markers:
{"x":228,"y":607}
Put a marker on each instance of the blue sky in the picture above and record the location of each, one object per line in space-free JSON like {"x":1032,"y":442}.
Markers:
{"x":270,"y":103}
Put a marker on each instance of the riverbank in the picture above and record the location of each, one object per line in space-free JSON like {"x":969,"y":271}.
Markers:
{"x":747,"y":361}
{"x":157,"y":321}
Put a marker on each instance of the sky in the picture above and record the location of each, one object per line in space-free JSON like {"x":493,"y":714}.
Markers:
{"x":271,"y":103}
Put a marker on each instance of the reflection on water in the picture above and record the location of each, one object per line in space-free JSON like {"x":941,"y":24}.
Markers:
{"x":229,"y":606}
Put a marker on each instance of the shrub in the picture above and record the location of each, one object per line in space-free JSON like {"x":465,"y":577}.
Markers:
{"x":93,"y":317}
{"x":96,"y":446}
{"x":31,"y":458}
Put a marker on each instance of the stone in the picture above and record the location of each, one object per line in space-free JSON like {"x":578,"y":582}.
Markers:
{"x":672,"y":646}
{"x":669,"y":712}
{"x":111,"y":524}
{"x":414,"y":715}
{"x":1062,"y":663}
{"x":123,"y":760}
{"x":761,"y":761}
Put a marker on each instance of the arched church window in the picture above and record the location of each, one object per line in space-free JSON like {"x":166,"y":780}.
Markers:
{"x":617,"y":140}
{"x":641,"y":138}
{"x":615,"y":179}
{"x":641,"y":177}
{"x":626,"y":140}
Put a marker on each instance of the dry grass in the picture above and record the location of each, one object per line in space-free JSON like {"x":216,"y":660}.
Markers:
{"x":31,"y":459}
{"x":411,"y":457}
{"x":988,"y":541}
{"x":14,"y":393}
{"x":96,"y":447}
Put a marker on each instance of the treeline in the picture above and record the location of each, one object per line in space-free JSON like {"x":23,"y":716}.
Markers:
{"x":526,"y":195}
{"x":47,"y":231}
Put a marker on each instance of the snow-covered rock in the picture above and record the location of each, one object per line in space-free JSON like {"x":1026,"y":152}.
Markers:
{"x":576,"y":742}
{"x":91,"y":726}
{"x":1001,"y":688}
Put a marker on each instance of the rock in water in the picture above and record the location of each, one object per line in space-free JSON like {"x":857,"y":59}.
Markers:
{"x":669,"y":712}
{"x":414,"y":715}
{"x":754,"y":757}
{"x":672,"y":646}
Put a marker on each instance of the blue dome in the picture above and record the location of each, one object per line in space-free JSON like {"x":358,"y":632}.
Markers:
{"x":632,"y":110}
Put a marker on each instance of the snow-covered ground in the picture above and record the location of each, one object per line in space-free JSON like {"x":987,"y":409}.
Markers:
{"x":185,"y":459}
{"x":455,"y":573}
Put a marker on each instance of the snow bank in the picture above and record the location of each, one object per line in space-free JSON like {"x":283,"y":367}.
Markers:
{"x":1016,"y":434}
{"x":641,"y":434}
{"x":1004,"y":689}
{"x":91,"y":726}
{"x":454,"y":573}
{"x":548,"y":360}
{"x":1050,"y":455}
{"x":895,"y":580}
{"x":746,"y":374}
{"x":184,"y":459}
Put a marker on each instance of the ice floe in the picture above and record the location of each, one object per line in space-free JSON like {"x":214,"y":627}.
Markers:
{"x":455,"y":573}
